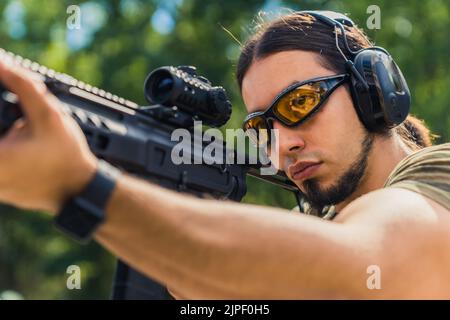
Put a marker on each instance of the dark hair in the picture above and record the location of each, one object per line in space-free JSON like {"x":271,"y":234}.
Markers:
{"x":300,"y":31}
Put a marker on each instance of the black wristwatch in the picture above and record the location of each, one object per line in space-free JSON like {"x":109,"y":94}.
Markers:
{"x":82,"y":215}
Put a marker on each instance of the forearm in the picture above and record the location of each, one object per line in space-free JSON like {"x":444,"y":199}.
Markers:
{"x":212,"y":249}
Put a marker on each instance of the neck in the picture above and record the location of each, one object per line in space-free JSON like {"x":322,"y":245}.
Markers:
{"x":385,"y":155}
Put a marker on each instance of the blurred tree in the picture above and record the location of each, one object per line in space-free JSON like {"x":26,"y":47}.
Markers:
{"x":120,"y":41}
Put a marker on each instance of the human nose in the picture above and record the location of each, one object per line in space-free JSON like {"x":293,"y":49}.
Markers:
{"x":288,"y":142}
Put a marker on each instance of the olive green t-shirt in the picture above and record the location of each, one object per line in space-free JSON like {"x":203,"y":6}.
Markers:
{"x":426,"y":171}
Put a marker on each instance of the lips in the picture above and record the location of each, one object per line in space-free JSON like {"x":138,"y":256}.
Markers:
{"x":302,"y":169}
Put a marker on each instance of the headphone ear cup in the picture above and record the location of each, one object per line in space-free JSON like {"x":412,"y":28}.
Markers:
{"x":385,"y":102}
{"x":361,"y":98}
{"x":395,"y":97}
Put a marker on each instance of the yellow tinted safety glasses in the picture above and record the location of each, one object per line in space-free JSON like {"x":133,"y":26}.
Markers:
{"x":292,"y":106}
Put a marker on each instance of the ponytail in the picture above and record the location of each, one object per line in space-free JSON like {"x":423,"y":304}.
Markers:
{"x":415,"y":133}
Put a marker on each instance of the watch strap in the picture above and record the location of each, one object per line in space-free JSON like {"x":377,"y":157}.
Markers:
{"x":80,"y":216}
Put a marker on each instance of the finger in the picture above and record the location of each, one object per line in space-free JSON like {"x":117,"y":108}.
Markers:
{"x":33,"y":95}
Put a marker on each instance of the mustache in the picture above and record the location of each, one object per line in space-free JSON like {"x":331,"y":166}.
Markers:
{"x":283,"y":161}
{"x":292,"y":159}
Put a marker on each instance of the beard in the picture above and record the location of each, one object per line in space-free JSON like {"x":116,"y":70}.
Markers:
{"x":347,"y":183}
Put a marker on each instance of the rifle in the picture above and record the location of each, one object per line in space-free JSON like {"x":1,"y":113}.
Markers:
{"x":137,"y":139}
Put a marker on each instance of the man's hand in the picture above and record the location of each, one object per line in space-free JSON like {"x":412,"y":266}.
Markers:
{"x":44,"y":158}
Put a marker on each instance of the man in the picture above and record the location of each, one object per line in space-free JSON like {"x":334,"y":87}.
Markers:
{"x":211,"y":249}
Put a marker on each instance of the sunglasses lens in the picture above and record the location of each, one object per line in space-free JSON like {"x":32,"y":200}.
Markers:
{"x":298,"y":103}
{"x":257,"y":130}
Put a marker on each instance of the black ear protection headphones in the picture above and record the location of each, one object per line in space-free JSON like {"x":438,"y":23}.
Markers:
{"x":379,"y":91}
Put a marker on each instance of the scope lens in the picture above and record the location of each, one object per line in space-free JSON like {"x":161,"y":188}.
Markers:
{"x":161,"y":89}
{"x":158,"y":86}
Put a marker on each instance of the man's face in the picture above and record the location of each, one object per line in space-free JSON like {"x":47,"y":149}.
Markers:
{"x":333,"y":138}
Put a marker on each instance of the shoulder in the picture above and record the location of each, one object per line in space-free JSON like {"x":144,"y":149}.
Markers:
{"x":392,"y":204}
{"x":408,"y":236}
{"x":406,"y":225}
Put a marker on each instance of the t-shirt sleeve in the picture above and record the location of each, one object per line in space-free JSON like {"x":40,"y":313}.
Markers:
{"x":427,"y":172}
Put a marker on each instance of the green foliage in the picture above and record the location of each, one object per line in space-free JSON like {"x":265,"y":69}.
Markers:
{"x":125,"y":45}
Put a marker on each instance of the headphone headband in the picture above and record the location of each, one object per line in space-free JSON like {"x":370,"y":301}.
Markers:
{"x":330,"y":17}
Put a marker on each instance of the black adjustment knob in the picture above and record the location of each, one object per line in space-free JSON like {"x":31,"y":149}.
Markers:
{"x":221,"y":105}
